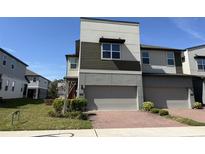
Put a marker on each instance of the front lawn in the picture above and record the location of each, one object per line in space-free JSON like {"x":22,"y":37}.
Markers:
{"x":34,"y":116}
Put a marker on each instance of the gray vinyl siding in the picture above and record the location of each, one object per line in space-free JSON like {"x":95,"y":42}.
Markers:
{"x":91,"y":59}
{"x":42,"y":93}
{"x":19,"y":69}
{"x":178,"y":62}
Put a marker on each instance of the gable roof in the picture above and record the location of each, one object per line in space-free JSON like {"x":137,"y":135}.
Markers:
{"x":31,"y":73}
{"x":144,"y":46}
{"x":5,"y":52}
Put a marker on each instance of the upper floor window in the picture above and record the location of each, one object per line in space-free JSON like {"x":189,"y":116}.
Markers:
{"x":34,"y":79}
{"x":201,"y":64}
{"x":110,"y":51}
{"x":170,"y":58}
{"x":145,"y":57}
{"x":12,"y":64}
{"x":73,"y":63}
{"x":4,"y":60}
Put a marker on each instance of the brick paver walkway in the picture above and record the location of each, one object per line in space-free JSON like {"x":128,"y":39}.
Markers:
{"x":130,"y":119}
{"x":198,"y":115}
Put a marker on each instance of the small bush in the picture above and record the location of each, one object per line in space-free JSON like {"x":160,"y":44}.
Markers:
{"x":76,"y":115}
{"x":58,"y":105}
{"x":197,"y":105}
{"x":77,"y":104}
{"x":163,"y":112}
{"x":154,"y":110}
{"x":51,"y":113}
{"x":147,"y":106}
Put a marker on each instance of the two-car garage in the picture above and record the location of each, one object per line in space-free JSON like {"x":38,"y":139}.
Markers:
{"x":168,"y":91}
{"x":111,"y":97}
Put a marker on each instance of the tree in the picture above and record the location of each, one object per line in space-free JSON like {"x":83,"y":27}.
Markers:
{"x":53,"y":89}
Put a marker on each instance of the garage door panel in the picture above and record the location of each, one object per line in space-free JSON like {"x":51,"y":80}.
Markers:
{"x":111,"y":97}
{"x":167,"y":97}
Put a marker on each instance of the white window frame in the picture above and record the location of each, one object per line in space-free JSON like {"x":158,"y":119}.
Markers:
{"x":110,"y":51}
{"x":170,"y":58}
{"x":13,"y":86}
{"x":73,"y":62}
{"x":145,"y":58}
{"x":203,"y":65}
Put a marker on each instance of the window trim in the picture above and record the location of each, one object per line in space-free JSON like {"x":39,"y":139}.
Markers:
{"x":170,"y":59}
{"x":4,"y":59}
{"x":145,"y":58}
{"x":203,"y":65}
{"x":75,"y":63}
{"x":110,"y":51}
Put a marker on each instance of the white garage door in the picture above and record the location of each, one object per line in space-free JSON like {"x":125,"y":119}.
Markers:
{"x":167,"y":97}
{"x":111,"y":97}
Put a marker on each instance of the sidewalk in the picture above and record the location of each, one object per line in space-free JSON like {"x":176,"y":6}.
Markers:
{"x":124,"y":132}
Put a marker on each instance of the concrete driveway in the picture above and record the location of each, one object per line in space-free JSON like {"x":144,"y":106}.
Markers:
{"x":194,"y":114}
{"x":130,"y":119}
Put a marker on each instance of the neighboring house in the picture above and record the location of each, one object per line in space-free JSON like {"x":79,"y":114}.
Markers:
{"x":194,"y":64}
{"x":163,"y":80}
{"x":13,"y":83}
{"x":61,"y":89}
{"x":38,"y":85}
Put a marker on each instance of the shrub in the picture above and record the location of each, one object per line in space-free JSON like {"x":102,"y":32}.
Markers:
{"x":147,"y":106}
{"x":154,"y":110}
{"x":77,"y":104}
{"x":197,"y":105}
{"x":163,"y":112}
{"x":76,"y":115}
{"x":51,"y":113}
{"x":58,"y":105}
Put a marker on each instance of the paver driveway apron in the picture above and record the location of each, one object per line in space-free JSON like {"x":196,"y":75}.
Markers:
{"x":130,"y":119}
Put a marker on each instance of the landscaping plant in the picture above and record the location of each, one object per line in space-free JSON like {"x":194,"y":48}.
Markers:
{"x":163,"y":112}
{"x":197,"y":105}
{"x":154,"y":110}
{"x":147,"y":106}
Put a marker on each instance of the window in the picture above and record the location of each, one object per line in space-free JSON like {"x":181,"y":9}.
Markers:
{"x":34,"y":79}
{"x":110,"y":51}
{"x":145,"y":57}
{"x":170,"y":58}
{"x":1,"y":81}
{"x":4,"y":60}
{"x":7,"y":85}
{"x":12,"y":64}
{"x":13,"y":85}
{"x":73,"y":63}
{"x":201,"y":64}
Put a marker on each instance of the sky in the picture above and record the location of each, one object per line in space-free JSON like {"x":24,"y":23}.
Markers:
{"x":42,"y":43}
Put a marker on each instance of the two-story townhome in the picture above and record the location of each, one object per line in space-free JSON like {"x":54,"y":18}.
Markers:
{"x":37,"y":86}
{"x":163,"y":80}
{"x":106,"y":69}
{"x":13,"y":83}
{"x":114,"y":72}
{"x":194,"y":64}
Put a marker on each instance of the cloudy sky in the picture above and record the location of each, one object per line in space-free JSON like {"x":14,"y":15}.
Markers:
{"x":42,"y":43}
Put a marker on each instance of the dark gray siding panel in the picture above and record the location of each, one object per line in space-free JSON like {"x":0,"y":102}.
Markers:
{"x":42,"y":93}
{"x":178,"y":62}
{"x":198,"y":88}
{"x":91,"y":59}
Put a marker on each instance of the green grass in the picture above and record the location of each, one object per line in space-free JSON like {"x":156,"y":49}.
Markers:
{"x":34,"y":116}
{"x":186,"y":121}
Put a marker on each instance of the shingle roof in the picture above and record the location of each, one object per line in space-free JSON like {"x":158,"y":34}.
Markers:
{"x":31,"y":73}
{"x":196,"y":47}
{"x":5,"y":52}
